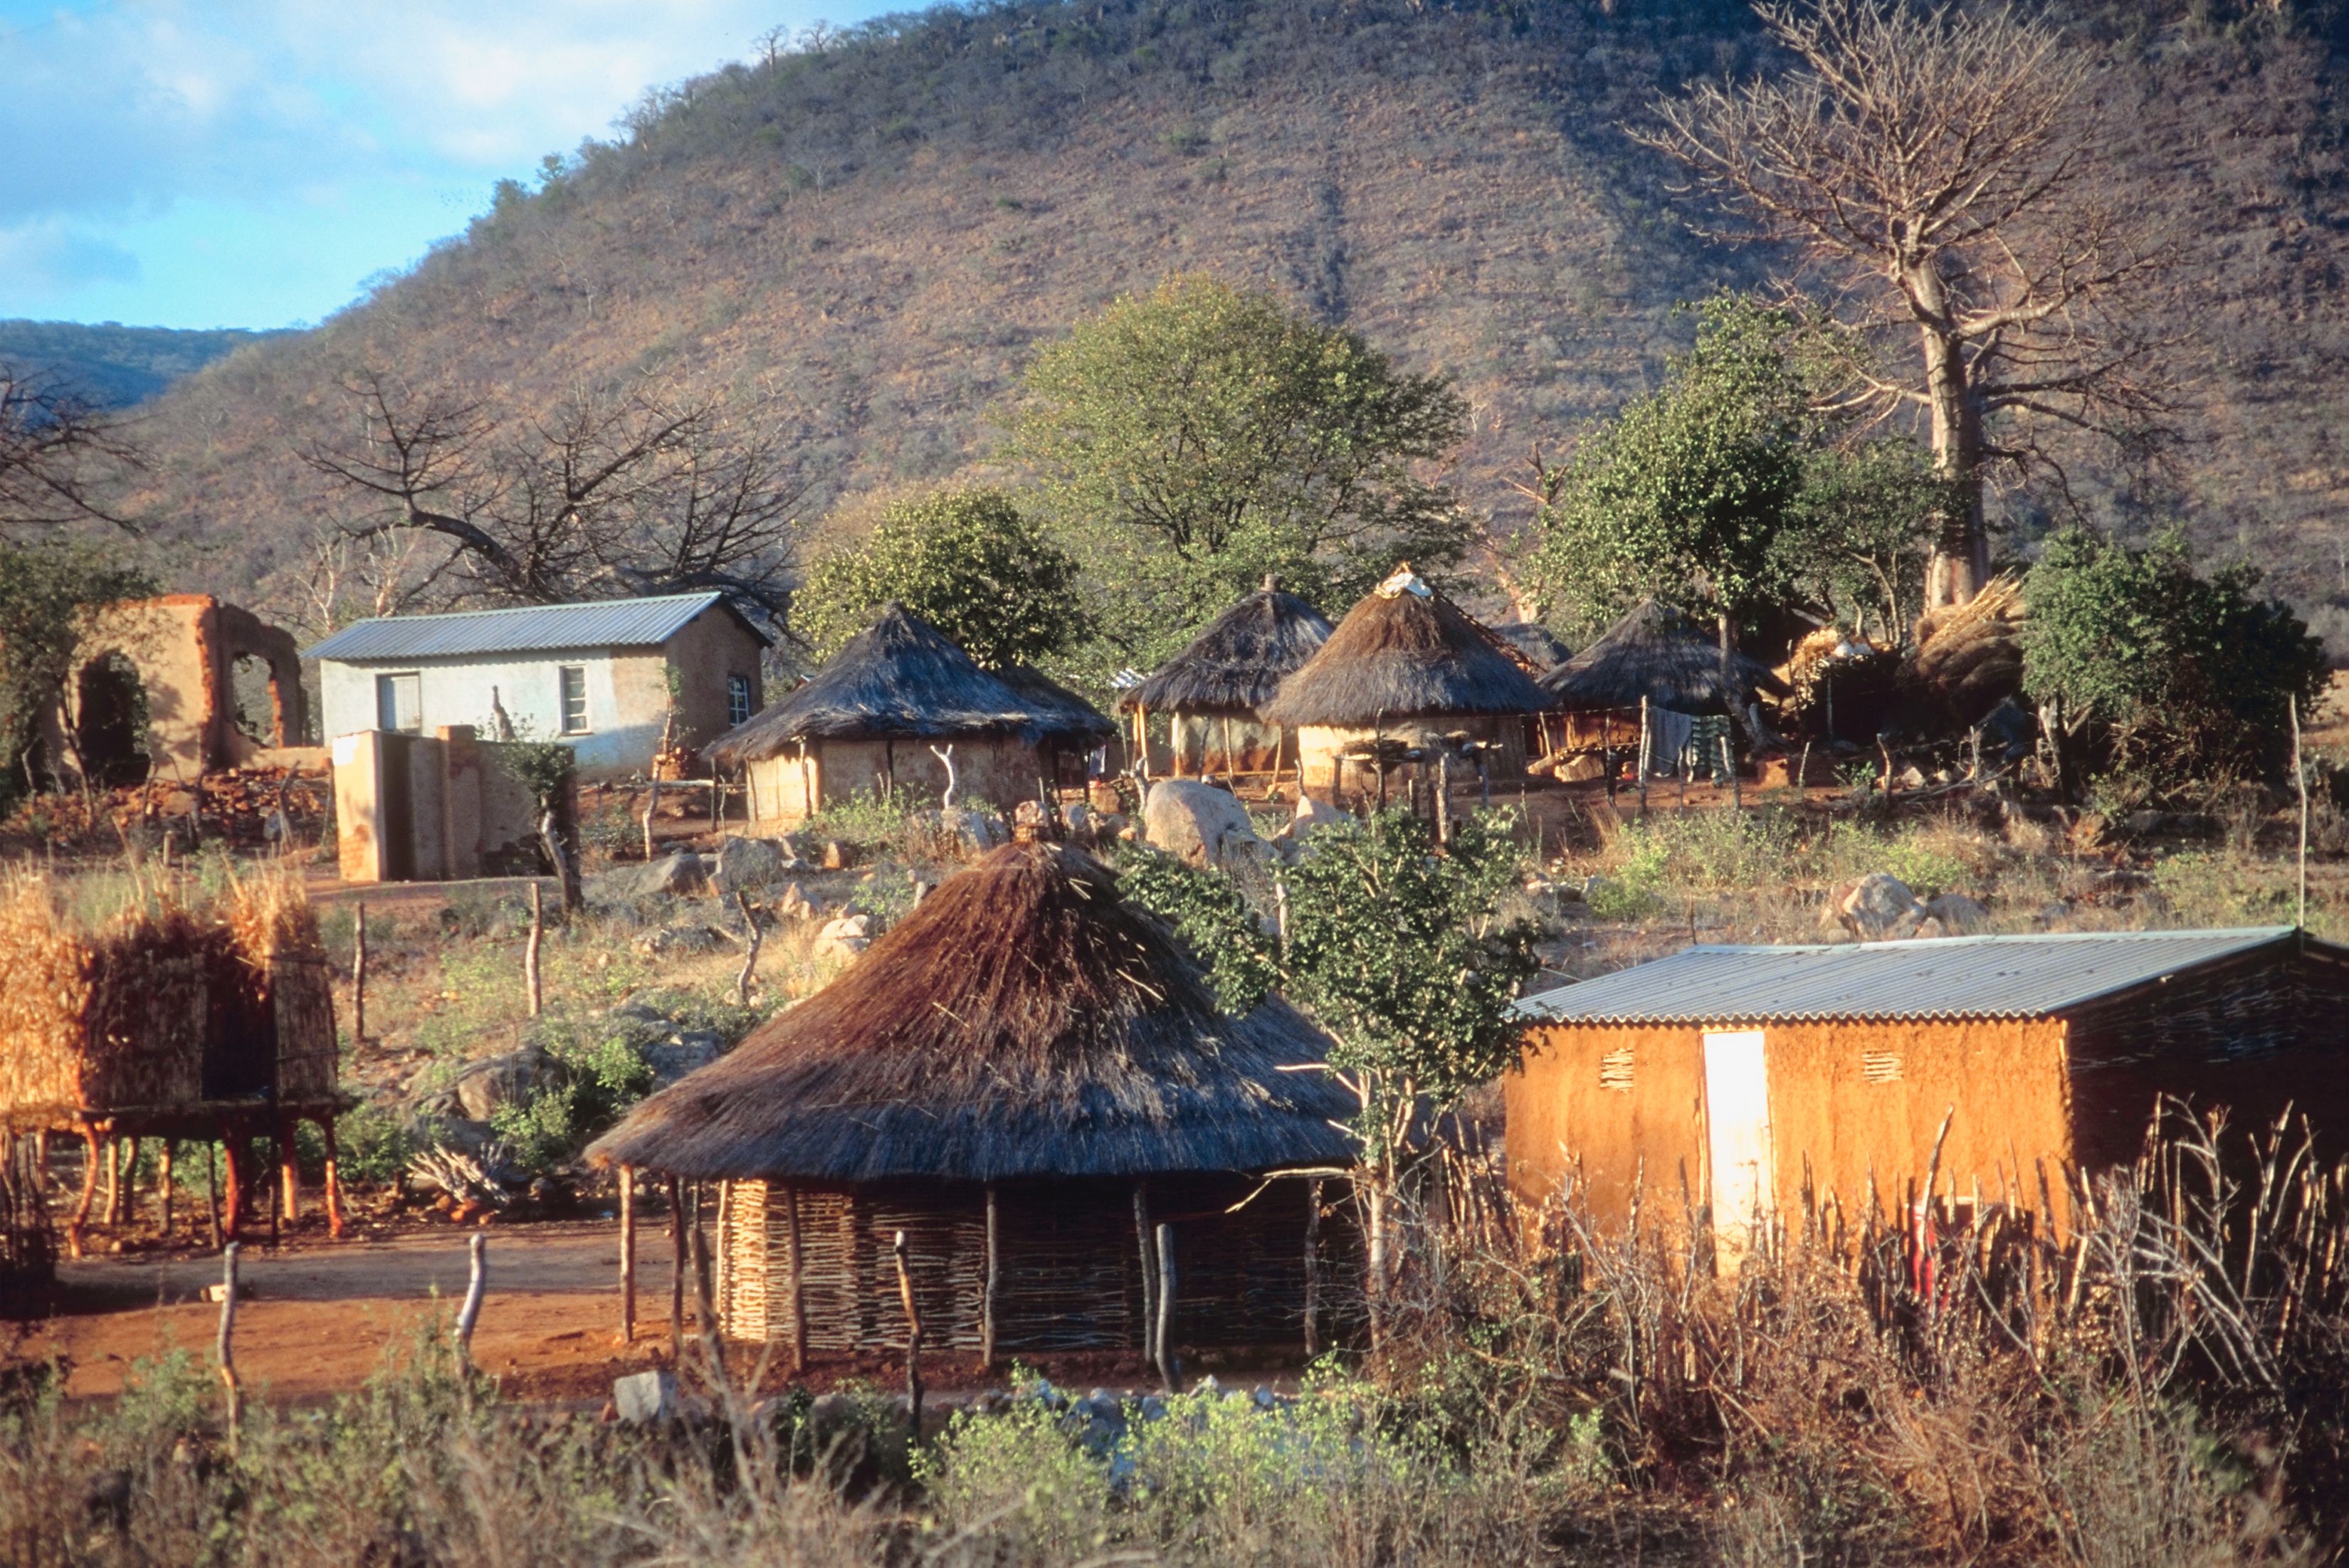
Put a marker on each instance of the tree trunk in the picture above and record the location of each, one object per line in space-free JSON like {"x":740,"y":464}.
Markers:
{"x":1961,"y":560}
{"x":1729,"y":690}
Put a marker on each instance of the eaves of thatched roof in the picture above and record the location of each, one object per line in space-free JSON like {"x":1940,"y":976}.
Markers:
{"x":1406,"y":650}
{"x":900,"y":678}
{"x":1657,"y":653}
{"x":1238,"y":663}
{"x":1022,"y":1022}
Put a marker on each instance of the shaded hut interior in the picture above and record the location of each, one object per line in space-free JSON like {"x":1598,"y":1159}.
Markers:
{"x":1025,"y":1076}
{"x":1211,"y":690}
{"x":1657,"y":658}
{"x":1406,"y":669}
{"x":901,"y":708}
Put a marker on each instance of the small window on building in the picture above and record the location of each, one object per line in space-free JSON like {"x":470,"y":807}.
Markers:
{"x":400,"y":703}
{"x":573,"y":679}
{"x":1615,"y":1070}
{"x":738,"y":699}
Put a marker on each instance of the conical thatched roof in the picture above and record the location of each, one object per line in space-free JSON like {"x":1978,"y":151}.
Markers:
{"x":1657,"y":653}
{"x":1238,"y":663}
{"x":1404,"y":650}
{"x":1021,"y":1022}
{"x":1537,"y":642}
{"x":900,"y":677}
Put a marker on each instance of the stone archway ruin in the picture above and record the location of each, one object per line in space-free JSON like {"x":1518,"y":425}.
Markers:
{"x":182,"y":651}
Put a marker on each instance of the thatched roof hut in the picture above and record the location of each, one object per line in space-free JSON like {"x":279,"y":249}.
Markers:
{"x":1658,"y":653}
{"x":1540,"y":644}
{"x":868,"y":720}
{"x":1406,"y":664}
{"x":1023,"y":1042}
{"x":1211,"y":690}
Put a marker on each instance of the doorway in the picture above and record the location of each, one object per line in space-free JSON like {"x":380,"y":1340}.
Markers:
{"x":110,"y":722}
{"x":1737,"y":1133}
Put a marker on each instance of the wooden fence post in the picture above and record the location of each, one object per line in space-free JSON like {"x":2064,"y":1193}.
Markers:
{"x":226,"y":1345}
{"x":163,"y":1174}
{"x":530,"y":949}
{"x":913,"y":1341}
{"x":628,"y":1254}
{"x":1149,"y":1276}
{"x":1170,"y":1366}
{"x":986,"y":1299}
{"x":678,"y":1262}
{"x":1312,"y":1264}
{"x":476,"y":1287}
{"x":358,"y":983}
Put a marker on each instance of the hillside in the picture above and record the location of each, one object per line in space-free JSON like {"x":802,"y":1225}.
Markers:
{"x":878,"y":230}
{"x":110,"y":364}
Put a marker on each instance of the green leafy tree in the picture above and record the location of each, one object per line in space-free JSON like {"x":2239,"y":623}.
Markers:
{"x":968,"y":562}
{"x":2171,"y":676}
{"x":1863,"y":529}
{"x":1200,"y":436}
{"x":44,"y":590}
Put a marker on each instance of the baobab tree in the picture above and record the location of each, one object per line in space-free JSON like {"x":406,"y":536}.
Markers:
{"x":1947,"y":173}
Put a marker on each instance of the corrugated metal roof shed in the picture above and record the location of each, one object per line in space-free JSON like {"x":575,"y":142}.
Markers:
{"x":1936,"y":977}
{"x":528,"y":629}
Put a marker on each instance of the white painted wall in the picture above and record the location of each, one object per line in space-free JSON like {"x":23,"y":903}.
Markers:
{"x":618,"y":741}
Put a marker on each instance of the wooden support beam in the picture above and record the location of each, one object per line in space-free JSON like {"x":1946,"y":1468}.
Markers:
{"x":628,"y":1254}
{"x":289,"y":1170}
{"x":799,"y":1289}
{"x":1312,"y":1267}
{"x":233,"y":1179}
{"x":913,"y":1339}
{"x":90,"y":1142}
{"x":1169,"y":1365}
{"x":164,"y":1178}
{"x":334,"y":1177}
{"x":986,"y":1299}
{"x":677,"y":1273}
{"x":1149,"y":1275}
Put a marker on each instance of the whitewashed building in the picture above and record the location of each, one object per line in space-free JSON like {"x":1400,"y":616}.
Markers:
{"x":601,"y":677}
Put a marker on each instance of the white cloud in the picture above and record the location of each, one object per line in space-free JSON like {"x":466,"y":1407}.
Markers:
{"x":51,"y":258}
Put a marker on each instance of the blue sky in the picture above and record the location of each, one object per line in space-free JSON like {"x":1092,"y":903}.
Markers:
{"x":250,"y":162}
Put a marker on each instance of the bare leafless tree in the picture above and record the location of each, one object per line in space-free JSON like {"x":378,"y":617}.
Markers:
{"x":1946,"y":173}
{"x":643,"y":492}
{"x":57,"y":455}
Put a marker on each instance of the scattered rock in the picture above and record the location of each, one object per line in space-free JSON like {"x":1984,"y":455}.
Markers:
{"x":1082,"y":823}
{"x":688,"y":1050}
{"x":1909,"y":777}
{"x":1956,"y":914}
{"x":745,"y":864}
{"x":496,"y":1081}
{"x":845,"y":936}
{"x":1102,"y":795}
{"x":1201,"y":825}
{"x":1310,"y":817}
{"x":678,"y":875}
{"x":1580,"y":769}
{"x":1875,"y":908}
{"x":834,"y":856}
{"x":674,"y":939}
{"x":973,"y":832}
{"x":642,"y":1398}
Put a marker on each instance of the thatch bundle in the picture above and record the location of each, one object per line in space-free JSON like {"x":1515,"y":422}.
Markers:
{"x":166,"y":1003}
{"x":1658,"y":653}
{"x":1238,"y":663}
{"x":1022,"y":1022}
{"x":1969,"y":656}
{"x":1404,"y":650}
{"x":900,"y":678}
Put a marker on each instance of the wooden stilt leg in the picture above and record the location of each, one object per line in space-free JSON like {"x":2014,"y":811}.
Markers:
{"x":91,"y":1145}
{"x":627,"y":1255}
{"x":110,"y":1212}
{"x":334,"y":1182}
{"x":164,"y":1178}
{"x":232,"y":1178}
{"x":677,"y":1271}
{"x":289,"y":1171}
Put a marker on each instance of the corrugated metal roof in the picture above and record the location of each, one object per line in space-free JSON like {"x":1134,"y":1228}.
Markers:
{"x":528,"y":629}
{"x":1935,"y":977}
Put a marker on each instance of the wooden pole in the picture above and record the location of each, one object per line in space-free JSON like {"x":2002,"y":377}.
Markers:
{"x":628,"y":1254}
{"x":799,"y":1290}
{"x":477,"y":1285}
{"x":1803,"y":773}
{"x":334,"y":1178}
{"x":1312,"y":1264}
{"x":987,"y":1300}
{"x":1443,"y":798}
{"x":2299,"y":782}
{"x":91,"y":1148}
{"x":1149,"y":1275}
{"x":1169,"y":1365}
{"x":226,"y":1344}
{"x":109,"y":1152}
{"x":713,"y":1334}
{"x":1729,"y":762}
{"x":358,"y":982}
{"x":677,"y":1271}
{"x":163,"y":1176}
{"x":289,"y":1170}
{"x":530,"y":949}
{"x":913,"y":1340}
{"x":1643,"y":757}
{"x":751,"y":955}
{"x":211,"y":1189}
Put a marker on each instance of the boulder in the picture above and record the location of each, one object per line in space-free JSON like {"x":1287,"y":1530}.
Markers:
{"x":644,"y":1399}
{"x":744,"y":865}
{"x":688,"y":1050}
{"x":1200,"y":825}
{"x":793,"y":904}
{"x":1580,"y":769}
{"x":844,"y":935}
{"x":974,"y":832}
{"x":1082,"y":823}
{"x":1309,"y":818}
{"x":1102,"y":795}
{"x":496,"y":1081}
{"x":1956,"y":914}
{"x":834,"y":856}
{"x":678,"y":875}
{"x":1875,"y":908}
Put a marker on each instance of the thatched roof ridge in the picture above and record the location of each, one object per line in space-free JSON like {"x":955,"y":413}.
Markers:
{"x":1659,"y":652}
{"x":1404,"y":653}
{"x":1238,"y":663}
{"x":901,"y":679}
{"x":1058,"y":712}
{"x":1022,"y":1022}
{"x":1536,"y":642}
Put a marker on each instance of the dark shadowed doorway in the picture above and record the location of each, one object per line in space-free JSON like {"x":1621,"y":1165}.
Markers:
{"x":111,"y":729}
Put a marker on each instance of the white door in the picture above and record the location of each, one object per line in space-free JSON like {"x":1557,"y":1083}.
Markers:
{"x":400,"y":703}
{"x":1737,"y":1123}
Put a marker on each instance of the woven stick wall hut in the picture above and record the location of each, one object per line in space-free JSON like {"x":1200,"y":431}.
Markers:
{"x":1406,"y":664}
{"x":1024,"y":1046}
{"x":1212,"y":689}
{"x":874,"y":718}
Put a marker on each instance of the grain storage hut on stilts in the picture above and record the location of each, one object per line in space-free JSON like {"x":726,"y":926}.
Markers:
{"x":876,"y":717}
{"x":1211,"y":690}
{"x":1656,"y":663}
{"x":1027,"y":1077}
{"x":1408,"y":668}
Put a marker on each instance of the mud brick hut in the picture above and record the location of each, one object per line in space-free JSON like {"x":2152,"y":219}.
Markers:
{"x":177,"y":1020}
{"x":1749,"y":1072}
{"x":1405,"y":668}
{"x":1027,"y":1077}
{"x":1211,"y":690}
{"x":1655,"y":660}
{"x":877,"y":718}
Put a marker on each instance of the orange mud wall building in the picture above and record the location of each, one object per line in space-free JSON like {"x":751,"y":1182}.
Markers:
{"x":1623,"y":1108}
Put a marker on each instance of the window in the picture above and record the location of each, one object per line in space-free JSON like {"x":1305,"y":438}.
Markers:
{"x":738,"y":699}
{"x":400,"y":703}
{"x":573,"y":682}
